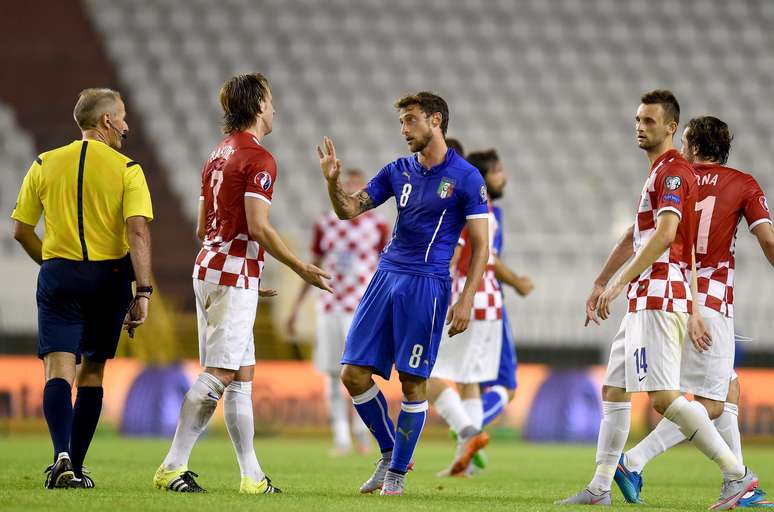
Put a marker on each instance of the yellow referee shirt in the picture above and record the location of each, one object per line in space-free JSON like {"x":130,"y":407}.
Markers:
{"x":86,"y":191}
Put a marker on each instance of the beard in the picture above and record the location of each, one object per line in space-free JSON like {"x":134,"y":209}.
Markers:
{"x":419,"y":143}
{"x":494,"y":194}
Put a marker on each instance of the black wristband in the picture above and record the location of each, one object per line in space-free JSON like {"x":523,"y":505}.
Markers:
{"x":144,"y":289}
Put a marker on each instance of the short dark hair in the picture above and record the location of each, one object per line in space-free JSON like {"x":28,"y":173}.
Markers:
{"x":241,"y":98}
{"x":429,"y":103}
{"x":483,"y":160}
{"x":710,"y":138}
{"x":456,"y":146}
{"x":667,"y":101}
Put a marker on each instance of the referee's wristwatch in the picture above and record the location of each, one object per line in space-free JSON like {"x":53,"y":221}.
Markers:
{"x":146,"y":291}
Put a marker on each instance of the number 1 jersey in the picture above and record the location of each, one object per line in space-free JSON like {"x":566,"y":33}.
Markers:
{"x":725,"y":196}
{"x":239,"y":167}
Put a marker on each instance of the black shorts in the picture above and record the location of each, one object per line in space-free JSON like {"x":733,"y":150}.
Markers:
{"x":81,"y":306}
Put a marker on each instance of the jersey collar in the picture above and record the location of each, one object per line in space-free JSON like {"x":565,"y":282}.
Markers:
{"x":669,"y":154}
{"x":436,"y":168}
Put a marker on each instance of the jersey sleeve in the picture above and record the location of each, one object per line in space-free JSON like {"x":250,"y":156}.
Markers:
{"x":317,"y":240}
{"x":379,"y":189}
{"x":756,"y":208}
{"x":474,"y":197}
{"x":672,"y":188}
{"x":260,"y":178}
{"x":137,"y":199}
{"x":497,"y":243}
{"x":29,"y":207}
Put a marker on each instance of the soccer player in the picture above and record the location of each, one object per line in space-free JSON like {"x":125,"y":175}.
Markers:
{"x":236,"y":192}
{"x":725,"y":196}
{"x":349,"y":250}
{"x":474,"y":356}
{"x":646,"y":352}
{"x":96,"y":207}
{"x":400,"y":319}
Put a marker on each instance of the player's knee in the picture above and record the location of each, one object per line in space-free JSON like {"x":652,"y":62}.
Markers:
{"x":511,"y":395}
{"x":714,"y":407}
{"x":733,"y":392}
{"x":661,"y":400}
{"x":355,"y":379}
{"x":613,"y":394}
{"x":91,"y":373}
{"x":414,"y":388}
{"x":226,"y":377}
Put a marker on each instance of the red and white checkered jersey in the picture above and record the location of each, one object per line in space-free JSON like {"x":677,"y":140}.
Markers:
{"x":488,"y":301}
{"x":671,"y":186}
{"x":350,"y":251}
{"x":725,"y":196}
{"x":239,"y":167}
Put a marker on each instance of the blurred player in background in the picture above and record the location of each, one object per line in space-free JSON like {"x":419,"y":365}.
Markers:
{"x":474,"y":357}
{"x":349,"y":250}
{"x":725,"y":197}
{"x":646,"y":352}
{"x":96,"y":207}
{"x":400,"y":319}
{"x":236,"y":193}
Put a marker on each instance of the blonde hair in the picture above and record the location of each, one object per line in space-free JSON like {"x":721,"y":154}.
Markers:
{"x":92,"y":103}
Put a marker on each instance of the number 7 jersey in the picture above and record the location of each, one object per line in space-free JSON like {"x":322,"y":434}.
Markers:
{"x":239,"y":167}
{"x":725,"y":196}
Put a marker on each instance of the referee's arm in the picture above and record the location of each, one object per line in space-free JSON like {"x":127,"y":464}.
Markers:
{"x":29,"y":240}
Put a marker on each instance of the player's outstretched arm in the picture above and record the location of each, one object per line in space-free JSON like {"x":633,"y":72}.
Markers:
{"x":478,"y":236}
{"x":260,"y":229}
{"x":522,"y":284}
{"x":765,"y":235}
{"x":620,"y":254}
{"x":346,"y":206}
{"x":29,"y":240}
{"x":666,"y":231}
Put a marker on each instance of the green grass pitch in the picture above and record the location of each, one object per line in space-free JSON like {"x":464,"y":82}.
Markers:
{"x":519,"y":477}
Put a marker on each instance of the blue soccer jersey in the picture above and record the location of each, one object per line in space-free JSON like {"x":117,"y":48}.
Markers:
{"x":433,"y":205}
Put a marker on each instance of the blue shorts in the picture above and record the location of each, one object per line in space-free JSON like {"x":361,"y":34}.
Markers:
{"x":399,"y":321}
{"x":81,"y":306}
{"x":506,"y":375}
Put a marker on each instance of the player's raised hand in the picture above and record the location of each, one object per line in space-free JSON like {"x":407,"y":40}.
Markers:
{"x":591,"y":304}
{"x":699,"y":333}
{"x":315,"y":276}
{"x":329,"y":164}
{"x":607,"y":297}
{"x":458,"y":316}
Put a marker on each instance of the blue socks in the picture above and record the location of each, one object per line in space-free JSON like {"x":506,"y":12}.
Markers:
{"x":411,"y":421}
{"x":372,"y":408}
{"x":494,"y":401}
{"x":88,"y":406}
{"x":58,"y":410}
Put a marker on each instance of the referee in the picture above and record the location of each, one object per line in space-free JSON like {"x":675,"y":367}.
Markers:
{"x":96,"y":207}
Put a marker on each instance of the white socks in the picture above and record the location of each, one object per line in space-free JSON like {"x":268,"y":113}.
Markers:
{"x":450,"y":408}
{"x":696,"y":426}
{"x":197,"y":409}
{"x":663,"y":437}
{"x":613,"y":432}
{"x":728,"y":427}
{"x":238,"y":411}
{"x":338,"y":407}
{"x":475,"y":410}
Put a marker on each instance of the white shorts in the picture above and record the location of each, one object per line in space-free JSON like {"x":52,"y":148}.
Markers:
{"x":225,"y":316}
{"x":708,"y":374}
{"x":646,"y":352}
{"x":332,"y":329}
{"x":471,"y":356}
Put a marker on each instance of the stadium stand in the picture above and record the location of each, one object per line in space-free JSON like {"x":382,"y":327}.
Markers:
{"x":552,"y":85}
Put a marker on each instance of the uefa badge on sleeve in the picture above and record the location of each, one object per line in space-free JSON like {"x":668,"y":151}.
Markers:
{"x":764,"y":203}
{"x":483,"y":193}
{"x":673,"y":182}
{"x":263,"y":180}
{"x":445,"y":188}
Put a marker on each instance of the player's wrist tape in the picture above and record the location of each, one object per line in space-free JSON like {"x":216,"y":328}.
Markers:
{"x":144,"y":289}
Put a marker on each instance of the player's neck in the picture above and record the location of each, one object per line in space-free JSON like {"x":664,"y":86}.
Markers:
{"x":256,"y":131}
{"x":433,"y":154}
{"x":95,"y":134}
{"x":656,"y":152}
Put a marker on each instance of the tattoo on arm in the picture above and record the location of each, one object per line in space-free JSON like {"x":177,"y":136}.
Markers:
{"x":364,"y":201}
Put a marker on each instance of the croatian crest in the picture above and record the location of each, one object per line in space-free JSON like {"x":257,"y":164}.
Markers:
{"x":673,"y":182}
{"x":446,"y":188}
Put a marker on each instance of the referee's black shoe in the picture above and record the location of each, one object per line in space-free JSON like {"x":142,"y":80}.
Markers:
{"x":60,"y":473}
{"x":84,"y":482}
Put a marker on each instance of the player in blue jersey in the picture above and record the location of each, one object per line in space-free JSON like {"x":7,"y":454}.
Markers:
{"x":400,"y":318}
